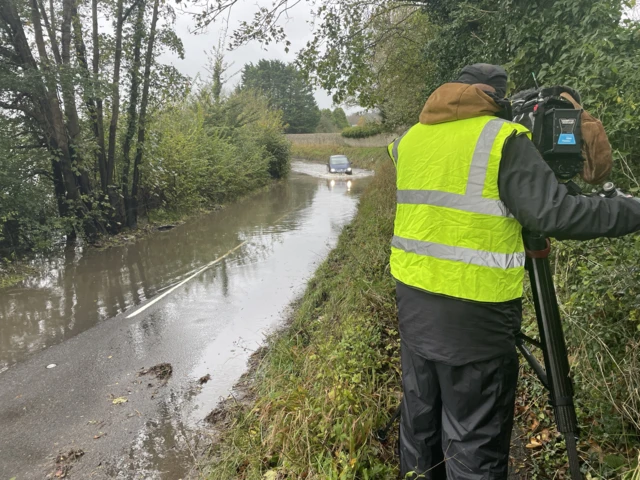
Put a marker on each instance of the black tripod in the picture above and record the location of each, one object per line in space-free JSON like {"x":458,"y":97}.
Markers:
{"x":555,"y":374}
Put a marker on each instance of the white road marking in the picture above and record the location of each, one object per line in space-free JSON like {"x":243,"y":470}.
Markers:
{"x":208,"y":265}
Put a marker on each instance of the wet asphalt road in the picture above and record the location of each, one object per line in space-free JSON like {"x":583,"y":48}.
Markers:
{"x":201,"y":297}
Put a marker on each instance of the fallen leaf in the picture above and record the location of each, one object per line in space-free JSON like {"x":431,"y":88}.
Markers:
{"x":204,"y":379}
{"x":534,"y":426}
{"x":270,"y":475}
{"x":119,"y":400}
{"x":533,"y":443}
{"x":544,"y":435}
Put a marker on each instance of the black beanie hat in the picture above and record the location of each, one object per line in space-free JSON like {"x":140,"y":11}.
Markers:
{"x":492,"y":75}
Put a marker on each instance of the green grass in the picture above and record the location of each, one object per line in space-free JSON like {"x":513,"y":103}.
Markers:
{"x":332,"y":379}
{"x":361,"y":157}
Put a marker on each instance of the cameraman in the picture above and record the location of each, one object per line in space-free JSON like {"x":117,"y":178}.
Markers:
{"x":468,"y":182}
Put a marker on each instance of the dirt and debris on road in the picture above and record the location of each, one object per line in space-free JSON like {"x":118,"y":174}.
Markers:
{"x":162,"y":371}
{"x":64,"y":463}
{"x":243,"y":395}
{"x":204,"y":379}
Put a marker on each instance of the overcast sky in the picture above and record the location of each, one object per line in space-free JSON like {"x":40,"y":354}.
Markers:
{"x":197,"y":46}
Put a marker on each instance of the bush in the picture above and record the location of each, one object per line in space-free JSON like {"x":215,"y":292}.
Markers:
{"x":28,"y":212}
{"x":368,"y":130}
{"x":207,"y":153}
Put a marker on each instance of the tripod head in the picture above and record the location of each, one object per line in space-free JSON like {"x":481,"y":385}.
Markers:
{"x":609,"y":190}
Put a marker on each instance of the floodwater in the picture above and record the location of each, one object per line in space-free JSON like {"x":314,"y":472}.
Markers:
{"x":201,"y":296}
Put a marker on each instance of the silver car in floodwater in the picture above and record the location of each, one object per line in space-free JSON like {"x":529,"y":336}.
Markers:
{"x":339,"y":164}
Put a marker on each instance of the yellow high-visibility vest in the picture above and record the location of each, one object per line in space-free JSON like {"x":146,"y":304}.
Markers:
{"x":453,"y":235}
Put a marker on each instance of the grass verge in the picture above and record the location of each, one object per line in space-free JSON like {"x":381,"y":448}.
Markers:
{"x":361,"y":157}
{"x":332,"y":378}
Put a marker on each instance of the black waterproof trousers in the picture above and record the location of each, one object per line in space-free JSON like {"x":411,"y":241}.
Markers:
{"x":456,"y":421}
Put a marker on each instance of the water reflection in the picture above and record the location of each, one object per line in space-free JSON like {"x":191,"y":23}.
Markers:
{"x":79,"y":288}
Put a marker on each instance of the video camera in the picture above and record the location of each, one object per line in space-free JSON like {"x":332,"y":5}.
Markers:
{"x":555,"y":125}
{"x":556,"y":131}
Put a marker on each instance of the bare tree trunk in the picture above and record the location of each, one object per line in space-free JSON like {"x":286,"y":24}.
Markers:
{"x":99,"y":118}
{"x":52,"y":13}
{"x":51,"y":31}
{"x":115,"y":96}
{"x":143,"y":114}
{"x":46,"y":110}
{"x":69,"y":97}
{"x":55,"y":128}
{"x":132,"y":111}
{"x":66,"y":80}
{"x":117,"y":213}
{"x":89,"y":90}
{"x":39,"y":94}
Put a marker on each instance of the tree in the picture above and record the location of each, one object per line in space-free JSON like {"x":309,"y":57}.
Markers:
{"x":332,"y":121}
{"x":326,"y":123}
{"x":339,"y":118}
{"x":48,"y":86}
{"x":287,"y":90}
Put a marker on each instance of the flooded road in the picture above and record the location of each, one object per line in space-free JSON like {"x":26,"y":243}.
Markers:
{"x":201,"y":297}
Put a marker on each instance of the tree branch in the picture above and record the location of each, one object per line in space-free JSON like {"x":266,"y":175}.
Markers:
{"x":129,"y":10}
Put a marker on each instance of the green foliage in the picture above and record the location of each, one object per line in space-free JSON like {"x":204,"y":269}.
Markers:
{"x":208,"y":152}
{"x":367,"y":130}
{"x":287,"y":90}
{"x":326,"y":125}
{"x":332,"y":121}
{"x":28,"y":211}
{"x":397,"y":85}
{"x":339,"y":118}
{"x":332,"y":378}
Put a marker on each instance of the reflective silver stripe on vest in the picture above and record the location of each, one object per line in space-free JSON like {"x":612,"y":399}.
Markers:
{"x":481,"y":154}
{"x":394,"y":150}
{"x":460,"y":254}
{"x":453,"y":200}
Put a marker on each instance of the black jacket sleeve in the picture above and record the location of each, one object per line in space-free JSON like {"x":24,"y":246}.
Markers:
{"x":531,"y":192}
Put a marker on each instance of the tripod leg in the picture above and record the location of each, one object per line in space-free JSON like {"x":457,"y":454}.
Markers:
{"x":555,"y":352}
{"x":572,"y":452}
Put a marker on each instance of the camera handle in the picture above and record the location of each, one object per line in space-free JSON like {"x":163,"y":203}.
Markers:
{"x":555,"y":375}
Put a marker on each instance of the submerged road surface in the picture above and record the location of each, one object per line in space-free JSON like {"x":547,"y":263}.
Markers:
{"x":75,"y":338}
